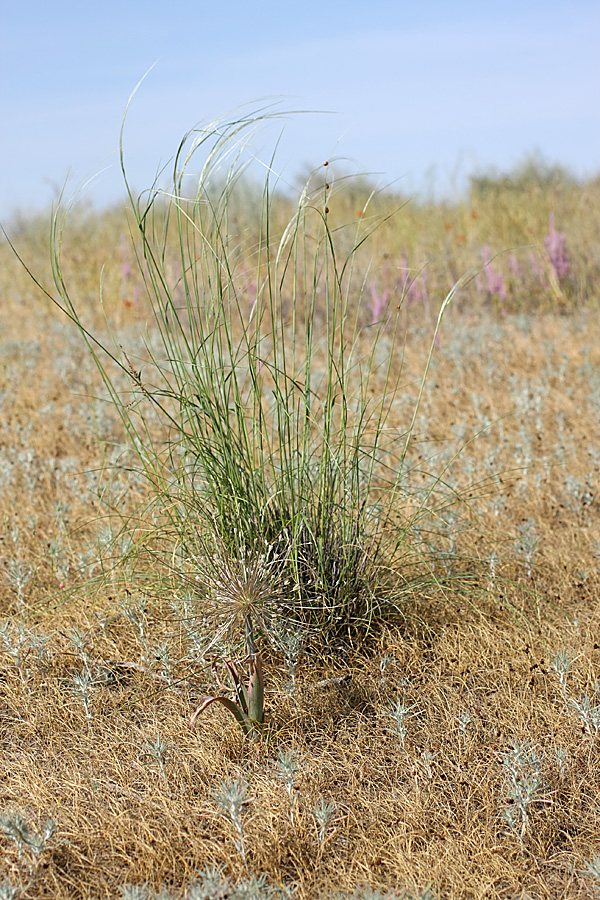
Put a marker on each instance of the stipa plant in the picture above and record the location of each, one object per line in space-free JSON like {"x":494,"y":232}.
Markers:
{"x":259,"y":405}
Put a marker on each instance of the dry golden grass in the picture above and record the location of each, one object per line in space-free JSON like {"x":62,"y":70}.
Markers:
{"x":426,"y":815}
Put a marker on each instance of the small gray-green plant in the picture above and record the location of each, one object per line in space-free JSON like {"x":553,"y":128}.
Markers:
{"x":323,"y":813}
{"x":9,"y":891}
{"x":39,"y":644}
{"x":16,"y":641}
{"x":164,"y":894}
{"x":584,"y":708}
{"x":288,"y":638}
{"x":493,"y":560}
{"x":257,"y":888}
{"x":159,"y":750}
{"x":523,"y":771}
{"x":161,"y":653}
{"x":592,"y":870}
{"x":82,"y":685}
{"x":399,"y":712}
{"x":464,"y":720}
{"x":562,"y":758}
{"x":527,"y":545}
{"x":589,"y":713}
{"x":59,"y":556}
{"x":580,"y":496}
{"x":384,"y":663}
{"x":562,"y":665}
{"x":135,"y":611}
{"x":288,"y":765}
{"x":30,"y":841}
{"x":379,"y":893}
{"x":135,"y":892}
{"x":80,"y":642}
{"x":212,"y":884}
{"x":19,"y":574}
{"x":233,"y":799}
{"x":426,"y":760}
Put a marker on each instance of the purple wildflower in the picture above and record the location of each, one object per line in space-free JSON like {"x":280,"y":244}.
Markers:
{"x":555,"y":244}
{"x":424,"y":292}
{"x":379,"y":303}
{"x":536,"y":269}
{"x":494,"y":279}
{"x":414,"y":293}
{"x":515,"y":267}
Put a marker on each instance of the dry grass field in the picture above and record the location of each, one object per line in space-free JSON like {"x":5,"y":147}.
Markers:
{"x":450,"y":749}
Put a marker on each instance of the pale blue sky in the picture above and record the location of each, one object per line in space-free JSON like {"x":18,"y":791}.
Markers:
{"x":458,"y":86}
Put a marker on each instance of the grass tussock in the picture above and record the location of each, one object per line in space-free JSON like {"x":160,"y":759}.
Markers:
{"x":265,"y":470}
